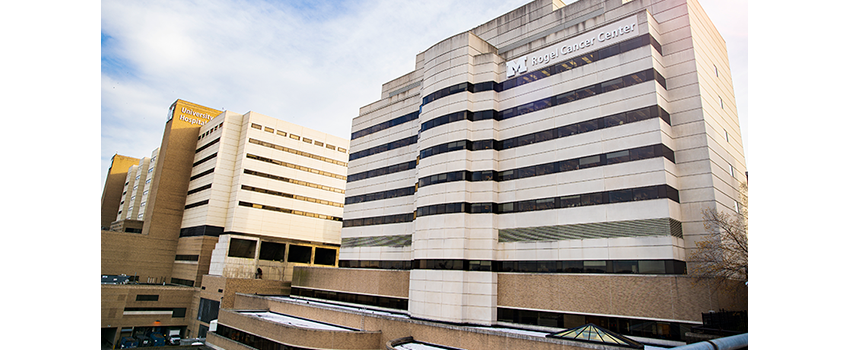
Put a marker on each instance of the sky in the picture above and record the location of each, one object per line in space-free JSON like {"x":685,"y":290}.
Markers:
{"x":312,"y":63}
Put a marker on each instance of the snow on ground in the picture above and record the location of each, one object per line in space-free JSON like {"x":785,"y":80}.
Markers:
{"x":417,"y":346}
{"x":343,"y":307}
{"x":515,"y":331}
{"x":294,"y":321}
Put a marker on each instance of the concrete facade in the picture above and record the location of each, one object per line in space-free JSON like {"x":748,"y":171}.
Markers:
{"x":510,"y":173}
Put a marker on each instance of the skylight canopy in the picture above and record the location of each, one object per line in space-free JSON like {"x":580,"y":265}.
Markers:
{"x":595,"y":334}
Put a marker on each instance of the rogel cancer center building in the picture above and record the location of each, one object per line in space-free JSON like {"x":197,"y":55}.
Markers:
{"x":542,"y":171}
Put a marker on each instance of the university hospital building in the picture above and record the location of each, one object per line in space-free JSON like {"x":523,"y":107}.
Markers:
{"x":544,"y":171}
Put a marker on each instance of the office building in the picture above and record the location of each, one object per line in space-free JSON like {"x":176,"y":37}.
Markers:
{"x":228,"y":203}
{"x":110,"y":200}
{"x":541,"y":171}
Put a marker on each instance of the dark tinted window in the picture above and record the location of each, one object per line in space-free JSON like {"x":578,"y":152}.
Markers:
{"x":242,"y":248}
{"x":299,"y":254}
{"x":272,"y":251}
{"x":325,"y":256}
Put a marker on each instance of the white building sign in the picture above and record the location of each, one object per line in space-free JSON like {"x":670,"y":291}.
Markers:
{"x":615,"y":32}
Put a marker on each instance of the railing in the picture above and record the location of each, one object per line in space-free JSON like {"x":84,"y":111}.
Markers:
{"x":728,"y":343}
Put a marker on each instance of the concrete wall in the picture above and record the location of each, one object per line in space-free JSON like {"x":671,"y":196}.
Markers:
{"x":391,"y":283}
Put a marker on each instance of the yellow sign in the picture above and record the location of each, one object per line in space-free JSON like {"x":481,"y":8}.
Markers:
{"x":190,"y":114}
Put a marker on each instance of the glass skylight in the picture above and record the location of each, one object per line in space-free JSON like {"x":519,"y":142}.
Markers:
{"x":595,"y":334}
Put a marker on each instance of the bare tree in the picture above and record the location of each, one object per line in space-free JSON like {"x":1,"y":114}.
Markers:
{"x":722,"y":255}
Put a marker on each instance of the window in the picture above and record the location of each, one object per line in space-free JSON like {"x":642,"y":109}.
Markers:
{"x":268,"y":129}
{"x":317,"y":143}
{"x":186,"y":258}
{"x":281,"y":133}
{"x":307,"y":140}
{"x":208,"y":310}
{"x":341,"y":149}
{"x":732,"y":171}
{"x":727,"y":135}
{"x":721,"y":102}
{"x":330,"y":147}
{"x":272,"y":251}
{"x":242,"y":248}
{"x":147,"y":297}
{"x":256,"y":126}
{"x":325,"y":256}
{"x":178,"y":312}
{"x":294,"y":137}
{"x":716,"y":72}
{"x":299,"y":254}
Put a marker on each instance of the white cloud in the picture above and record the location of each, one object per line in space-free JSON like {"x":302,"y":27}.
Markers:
{"x":313,"y":66}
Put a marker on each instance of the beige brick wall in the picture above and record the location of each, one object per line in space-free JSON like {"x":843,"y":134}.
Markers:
{"x":647,"y":296}
{"x":114,"y":298}
{"x":135,"y":254}
{"x":393,"y":283}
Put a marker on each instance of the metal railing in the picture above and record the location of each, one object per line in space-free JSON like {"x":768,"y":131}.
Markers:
{"x":728,"y":343}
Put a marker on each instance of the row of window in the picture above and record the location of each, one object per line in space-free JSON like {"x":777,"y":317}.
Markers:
{"x":292,"y":196}
{"x":202,"y":230}
{"x":371,"y":300}
{"x":399,"y":192}
{"x":208,"y":145}
{"x":383,"y":148}
{"x":520,"y":80}
{"x":379,"y":220}
{"x":199,"y":189}
{"x":210,"y":131}
{"x":529,"y":77}
{"x":566,"y":97}
{"x":295,"y":166}
{"x":197,"y":204}
{"x":385,"y":125}
{"x":646,"y":267}
{"x":610,"y":85}
{"x":608,"y":121}
{"x":295,"y":151}
{"x":296,"y":137}
{"x":211,"y":156}
{"x":629,"y":155}
{"x":289,"y":211}
{"x":625,"y":326}
{"x":383,"y":171}
{"x":577,"y":200}
{"x":293,"y":181}
{"x":634,"y":154}
{"x":271,"y":251}
{"x":200,"y":175}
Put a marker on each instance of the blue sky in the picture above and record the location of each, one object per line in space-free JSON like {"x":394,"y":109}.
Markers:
{"x":313,"y":63}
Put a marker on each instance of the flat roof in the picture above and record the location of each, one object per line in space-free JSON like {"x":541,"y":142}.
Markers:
{"x":295,"y":321}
